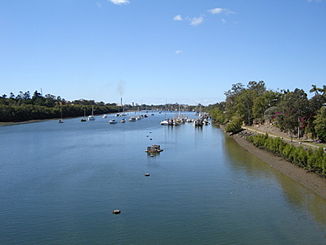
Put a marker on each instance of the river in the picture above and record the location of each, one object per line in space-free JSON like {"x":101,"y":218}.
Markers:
{"x":60,"y":182}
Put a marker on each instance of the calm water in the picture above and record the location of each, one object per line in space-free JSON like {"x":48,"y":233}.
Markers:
{"x":60,"y":182}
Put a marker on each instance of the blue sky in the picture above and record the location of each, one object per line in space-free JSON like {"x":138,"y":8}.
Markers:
{"x":157,"y":51}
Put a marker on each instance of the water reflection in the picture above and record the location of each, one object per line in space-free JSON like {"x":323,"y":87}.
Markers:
{"x":293,"y":192}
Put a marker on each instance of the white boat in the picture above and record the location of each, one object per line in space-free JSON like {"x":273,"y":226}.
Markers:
{"x":123,"y":120}
{"x":176,"y":123}
{"x":165,"y":122}
{"x":113,"y":121}
{"x":91,"y":117}
{"x":132,"y":119}
{"x":84,"y":118}
{"x":105,"y":116}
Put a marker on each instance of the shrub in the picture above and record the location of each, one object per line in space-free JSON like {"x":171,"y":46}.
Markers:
{"x":313,"y":160}
{"x":234,"y":126}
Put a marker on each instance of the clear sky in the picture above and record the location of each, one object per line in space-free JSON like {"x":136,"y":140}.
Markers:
{"x":157,"y":51}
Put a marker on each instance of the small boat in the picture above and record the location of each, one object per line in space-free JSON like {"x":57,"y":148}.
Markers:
{"x":91,"y":117}
{"x":154,"y":149}
{"x":105,"y":116}
{"x":113,"y":121}
{"x":198,"y":123}
{"x":123,"y":120}
{"x":116,"y":211}
{"x":61,"y":119}
{"x":132,"y":119}
{"x":84,"y":118}
{"x":176,"y":123}
{"x":165,"y":122}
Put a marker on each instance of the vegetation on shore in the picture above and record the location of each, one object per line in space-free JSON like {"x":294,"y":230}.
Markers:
{"x":24,"y":107}
{"x":291,"y":111}
{"x":309,"y":159}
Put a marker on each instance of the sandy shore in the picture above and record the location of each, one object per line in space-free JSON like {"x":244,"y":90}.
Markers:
{"x":309,"y":180}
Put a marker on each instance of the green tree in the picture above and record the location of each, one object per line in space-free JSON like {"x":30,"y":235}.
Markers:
{"x":294,"y":107}
{"x":320,"y":124}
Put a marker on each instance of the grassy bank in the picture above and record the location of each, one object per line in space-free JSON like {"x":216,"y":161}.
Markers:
{"x":309,"y":159}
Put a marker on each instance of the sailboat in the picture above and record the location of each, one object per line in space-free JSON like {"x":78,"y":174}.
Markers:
{"x":61,"y":119}
{"x":91,"y":117}
{"x":84,"y":118}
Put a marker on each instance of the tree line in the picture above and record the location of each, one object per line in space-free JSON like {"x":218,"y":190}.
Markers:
{"x":291,"y":111}
{"x":26,"y":106}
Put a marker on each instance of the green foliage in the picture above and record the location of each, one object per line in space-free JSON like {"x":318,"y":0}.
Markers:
{"x":312,"y":160}
{"x":262,"y":103}
{"x":234,"y":126}
{"x":293,"y":106}
{"x":217,"y":115}
{"x":36,"y":112}
{"x":25,"y":107}
{"x":288,"y":110}
{"x":320,"y":124}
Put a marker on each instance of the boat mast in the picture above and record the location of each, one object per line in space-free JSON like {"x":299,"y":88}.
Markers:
{"x":122,"y":105}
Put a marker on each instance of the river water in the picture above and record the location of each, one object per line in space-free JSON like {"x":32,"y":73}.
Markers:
{"x":60,"y":182}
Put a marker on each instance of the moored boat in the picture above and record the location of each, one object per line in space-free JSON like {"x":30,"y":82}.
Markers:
{"x":113,"y":121}
{"x":154,"y":149}
{"x":165,"y":122}
{"x":91,"y":117}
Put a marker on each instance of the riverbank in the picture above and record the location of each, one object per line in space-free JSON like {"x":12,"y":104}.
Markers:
{"x":309,"y":180}
{"x":50,"y":119}
{"x":32,"y":121}
{"x":25,"y":122}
